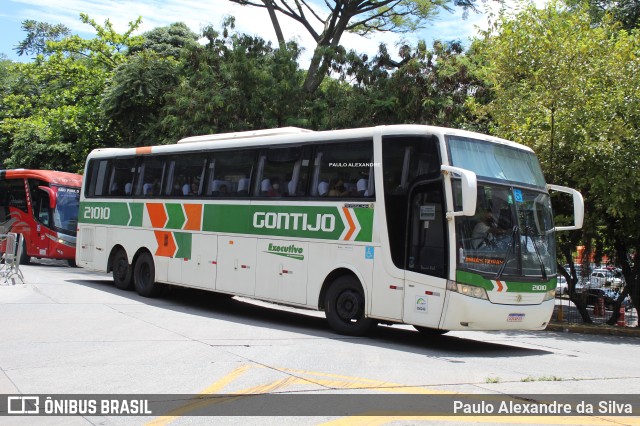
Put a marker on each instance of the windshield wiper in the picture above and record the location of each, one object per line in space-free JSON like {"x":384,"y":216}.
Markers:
{"x":512,"y":244}
{"x":528,"y":233}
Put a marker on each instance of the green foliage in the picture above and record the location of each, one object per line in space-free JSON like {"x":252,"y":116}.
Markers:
{"x":135,"y":95}
{"x":233,"y":83}
{"x":626,"y":12}
{"x":569,"y":88}
{"x":167,"y":41}
{"x":427,"y":86}
{"x":361,"y":17}
{"x":38,"y":34}
{"x":50,"y":114}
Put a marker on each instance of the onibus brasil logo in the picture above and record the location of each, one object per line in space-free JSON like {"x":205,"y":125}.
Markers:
{"x":290,"y":251}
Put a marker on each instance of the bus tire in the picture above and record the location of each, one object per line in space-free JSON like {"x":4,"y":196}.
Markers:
{"x":344,"y":308}
{"x":25,"y":259}
{"x":430,"y":332}
{"x":72,"y":263}
{"x":122,"y":271}
{"x":144,"y":273}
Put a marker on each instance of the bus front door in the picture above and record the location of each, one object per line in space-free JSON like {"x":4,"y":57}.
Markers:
{"x":426,"y":255}
{"x":40,"y":235}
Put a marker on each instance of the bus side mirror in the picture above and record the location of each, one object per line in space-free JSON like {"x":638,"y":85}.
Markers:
{"x":469,"y":186}
{"x":53,"y":197}
{"x":578,"y":207}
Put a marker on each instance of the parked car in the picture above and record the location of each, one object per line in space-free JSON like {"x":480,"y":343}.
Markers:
{"x":580,"y":273}
{"x":604,"y":278}
{"x":609,"y":297}
{"x":562,"y":287}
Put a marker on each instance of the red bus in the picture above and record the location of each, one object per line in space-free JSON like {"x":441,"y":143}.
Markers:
{"x":42,"y":206}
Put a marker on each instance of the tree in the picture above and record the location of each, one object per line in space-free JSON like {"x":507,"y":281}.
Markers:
{"x":568,"y":89}
{"x":135,"y":95}
{"x":427,"y":85}
{"x":167,"y":41}
{"x":234,"y":82}
{"x":357,"y":16}
{"x":627,"y":12}
{"x":50,"y":114}
{"x":38,"y":34}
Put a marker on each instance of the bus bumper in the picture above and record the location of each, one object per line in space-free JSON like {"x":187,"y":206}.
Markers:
{"x":469,"y":313}
{"x":62,"y":247}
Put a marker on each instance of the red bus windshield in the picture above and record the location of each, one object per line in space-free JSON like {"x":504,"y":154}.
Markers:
{"x":65,"y":215}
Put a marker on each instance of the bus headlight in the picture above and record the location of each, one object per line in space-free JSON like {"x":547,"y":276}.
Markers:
{"x":551,"y":294}
{"x":468,"y":290}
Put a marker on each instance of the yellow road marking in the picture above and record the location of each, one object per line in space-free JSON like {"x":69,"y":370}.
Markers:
{"x":337,"y":381}
{"x":215,"y":387}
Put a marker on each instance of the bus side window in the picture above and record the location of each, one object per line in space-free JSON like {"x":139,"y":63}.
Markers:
{"x":151,"y":177}
{"x":17,"y":194}
{"x":229,"y":173}
{"x":343,"y":170}
{"x":283,"y":172}
{"x":98,"y":177}
{"x":185,"y":175}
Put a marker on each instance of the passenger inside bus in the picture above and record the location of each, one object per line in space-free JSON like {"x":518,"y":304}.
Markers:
{"x":323,"y":188}
{"x":243,"y":187}
{"x":361,"y":187}
{"x":339,"y":189}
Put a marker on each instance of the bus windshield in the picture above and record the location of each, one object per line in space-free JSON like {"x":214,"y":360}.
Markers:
{"x":511,"y":234}
{"x":496,"y":162}
{"x":65,"y":215}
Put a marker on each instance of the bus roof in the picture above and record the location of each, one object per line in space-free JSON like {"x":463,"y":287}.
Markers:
{"x":246,"y":135}
{"x":50,"y":176}
{"x":292,"y":135}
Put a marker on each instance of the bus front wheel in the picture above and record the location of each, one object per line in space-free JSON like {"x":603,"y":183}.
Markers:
{"x":122,"y":271}
{"x":344,"y":308}
{"x":25,"y":259}
{"x":144,"y":274}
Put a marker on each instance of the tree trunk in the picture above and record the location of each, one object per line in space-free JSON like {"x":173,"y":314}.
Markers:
{"x":631,"y":277}
{"x":572,"y":280}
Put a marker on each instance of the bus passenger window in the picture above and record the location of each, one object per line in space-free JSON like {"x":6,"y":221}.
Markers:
{"x":342,"y":170}
{"x":229,"y":173}
{"x":120,"y":177}
{"x":285,"y":172}
{"x":151,"y":176}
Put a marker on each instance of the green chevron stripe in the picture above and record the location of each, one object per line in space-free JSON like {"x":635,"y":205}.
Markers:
{"x":184,"y":243}
{"x":176,"y":216}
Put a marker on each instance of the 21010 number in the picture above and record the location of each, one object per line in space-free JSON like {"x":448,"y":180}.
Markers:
{"x":103,"y":213}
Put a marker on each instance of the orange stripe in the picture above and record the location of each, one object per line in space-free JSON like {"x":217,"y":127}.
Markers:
{"x":352,"y":226}
{"x":194,"y":217}
{"x":157,"y":214}
{"x":143,"y":150}
{"x":499,"y":285}
{"x":166,"y":243}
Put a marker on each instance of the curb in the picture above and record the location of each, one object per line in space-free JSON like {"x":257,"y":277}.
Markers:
{"x":594,"y":329}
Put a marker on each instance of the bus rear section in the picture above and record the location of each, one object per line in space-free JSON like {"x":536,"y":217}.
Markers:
{"x":42,"y":206}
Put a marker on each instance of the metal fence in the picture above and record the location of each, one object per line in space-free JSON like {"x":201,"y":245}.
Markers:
{"x":10,"y":253}
{"x":566,"y":312}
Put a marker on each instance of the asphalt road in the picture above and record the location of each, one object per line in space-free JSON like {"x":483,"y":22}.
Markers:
{"x":70,"y":331}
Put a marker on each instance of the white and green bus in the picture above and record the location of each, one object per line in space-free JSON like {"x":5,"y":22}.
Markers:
{"x":438,"y":228}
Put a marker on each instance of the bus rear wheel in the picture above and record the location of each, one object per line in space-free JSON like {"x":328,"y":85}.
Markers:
{"x":344,"y":308}
{"x":144,"y":273}
{"x":122,"y":271}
